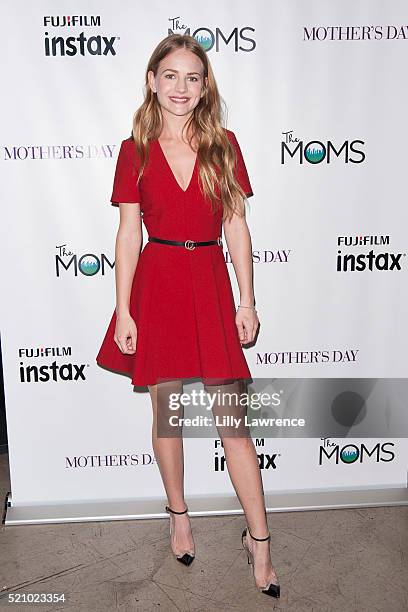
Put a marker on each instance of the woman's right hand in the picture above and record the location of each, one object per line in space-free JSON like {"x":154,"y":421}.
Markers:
{"x":125,"y":334}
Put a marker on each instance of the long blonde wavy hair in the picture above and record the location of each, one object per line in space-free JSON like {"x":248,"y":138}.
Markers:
{"x":216,"y":154}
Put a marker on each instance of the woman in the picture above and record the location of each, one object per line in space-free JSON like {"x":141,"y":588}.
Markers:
{"x":175,"y":316}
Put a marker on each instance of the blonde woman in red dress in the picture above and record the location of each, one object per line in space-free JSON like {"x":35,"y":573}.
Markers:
{"x":175,"y":317}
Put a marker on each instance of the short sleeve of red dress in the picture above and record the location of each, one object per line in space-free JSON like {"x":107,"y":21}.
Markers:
{"x":125,"y":187}
{"x":241,"y":172}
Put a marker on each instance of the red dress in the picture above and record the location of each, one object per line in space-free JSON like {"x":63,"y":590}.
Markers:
{"x":181,"y":300}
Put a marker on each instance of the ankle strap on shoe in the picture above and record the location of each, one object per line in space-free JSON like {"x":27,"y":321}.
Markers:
{"x":175,"y":511}
{"x":268,"y":537}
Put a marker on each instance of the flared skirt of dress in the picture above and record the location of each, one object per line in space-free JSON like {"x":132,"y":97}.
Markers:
{"x":183,"y":307}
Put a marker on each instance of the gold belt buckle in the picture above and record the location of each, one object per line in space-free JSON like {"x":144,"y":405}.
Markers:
{"x":189,"y":244}
{"x":219,"y":241}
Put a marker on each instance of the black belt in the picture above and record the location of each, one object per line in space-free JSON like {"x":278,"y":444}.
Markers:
{"x":188,"y":244}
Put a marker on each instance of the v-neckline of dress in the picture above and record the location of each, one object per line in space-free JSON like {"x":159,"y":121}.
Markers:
{"x":171,"y":171}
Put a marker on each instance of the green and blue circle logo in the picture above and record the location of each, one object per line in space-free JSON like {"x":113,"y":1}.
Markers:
{"x":349,"y":453}
{"x":89,"y":264}
{"x":205,"y":37}
{"x":315,"y":152}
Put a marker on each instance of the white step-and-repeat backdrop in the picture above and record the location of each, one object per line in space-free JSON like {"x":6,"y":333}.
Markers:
{"x":316,"y":96}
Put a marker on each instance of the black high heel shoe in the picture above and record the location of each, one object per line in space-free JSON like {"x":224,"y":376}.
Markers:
{"x":271,"y":588}
{"x":188,"y":557}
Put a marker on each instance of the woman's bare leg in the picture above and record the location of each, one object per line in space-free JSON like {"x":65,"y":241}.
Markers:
{"x":169,"y":454}
{"x":243,"y":468}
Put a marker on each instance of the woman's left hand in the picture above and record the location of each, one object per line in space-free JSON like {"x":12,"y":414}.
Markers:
{"x":247,"y":323}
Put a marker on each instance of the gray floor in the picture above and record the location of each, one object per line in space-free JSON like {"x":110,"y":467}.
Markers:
{"x":334,"y":560}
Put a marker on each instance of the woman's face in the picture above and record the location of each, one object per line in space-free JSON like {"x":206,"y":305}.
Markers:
{"x":179,"y":82}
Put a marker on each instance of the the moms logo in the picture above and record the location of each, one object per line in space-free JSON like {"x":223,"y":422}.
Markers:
{"x":239,"y":39}
{"x":316,"y":151}
{"x":87,"y":264}
{"x":355,"y":453}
